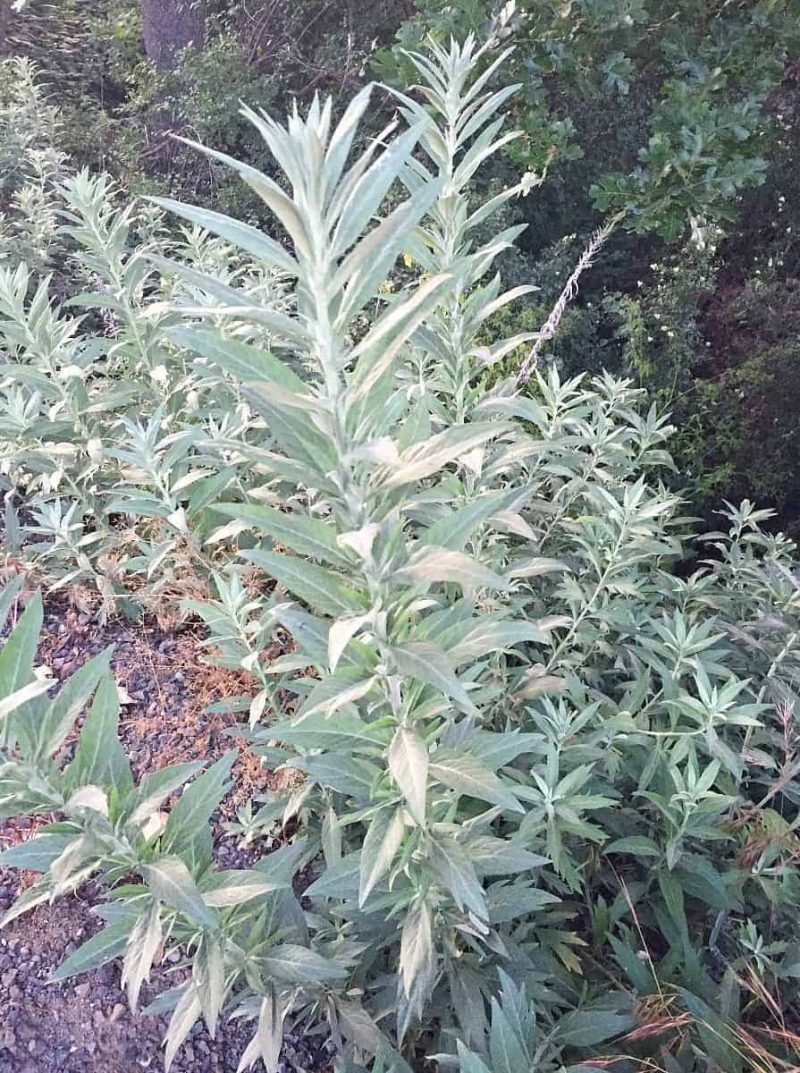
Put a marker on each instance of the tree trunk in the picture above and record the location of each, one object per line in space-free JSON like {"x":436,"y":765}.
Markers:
{"x":169,"y":26}
{"x":5,"y":24}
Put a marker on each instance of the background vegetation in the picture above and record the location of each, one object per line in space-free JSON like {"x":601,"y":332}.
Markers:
{"x":686,"y":115}
{"x":541,"y":727}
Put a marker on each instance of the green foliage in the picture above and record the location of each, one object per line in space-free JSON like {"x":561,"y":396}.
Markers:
{"x":690,"y":81}
{"x":543,"y":812}
{"x":116,"y":439}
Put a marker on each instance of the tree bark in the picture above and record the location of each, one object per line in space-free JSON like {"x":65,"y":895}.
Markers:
{"x":169,"y":26}
{"x":5,"y":24}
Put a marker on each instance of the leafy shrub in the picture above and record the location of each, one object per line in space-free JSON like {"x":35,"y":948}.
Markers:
{"x":546,"y":780}
{"x":114,"y":439}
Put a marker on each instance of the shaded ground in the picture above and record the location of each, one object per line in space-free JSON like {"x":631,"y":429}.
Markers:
{"x":84,"y":1025}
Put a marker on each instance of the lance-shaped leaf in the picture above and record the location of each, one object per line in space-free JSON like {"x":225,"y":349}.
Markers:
{"x":428,"y":663}
{"x":346,"y":731}
{"x":19,"y":649}
{"x":300,"y":532}
{"x":171,"y":882}
{"x":365,"y":267}
{"x":59,"y":718}
{"x":143,"y":944}
{"x":418,"y":965}
{"x":223,"y":889}
{"x":490,"y":636}
{"x":208,"y":972}
{"x":320,"y":588}
{"x":456,"y":527}
{"x":408,"y":764}
{"x":378,"y":349}
{"x":248,"y":238}
{"x":187,"y":831}
{"x":381,"y":843}
{"x":457,"y":874}
{"x":432,"y":564}
{"x":99,"y":757}
{"x":424,"y":459}
{"x":467,"y":775}
{"x":371,"y":188}
{"x":103,"y":947}
{"x":180,"y":1025}
{"x":334,"y":692}
{"x":294,"y":964}
{"x":242,"y":360}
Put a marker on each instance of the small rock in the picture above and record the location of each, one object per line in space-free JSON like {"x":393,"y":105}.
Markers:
{"x":116,"y":1013}
{"x":82,"y":990}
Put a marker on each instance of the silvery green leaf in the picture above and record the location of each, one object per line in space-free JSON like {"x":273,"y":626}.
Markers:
{"x":469,"y":1061}
{"x":232,"y":302}
{"x":490,"y":636}
{"x":456,"y":872}
{"x":19,"y":649}
{"x":267,"y":189}
{"x":143,"y":943}
{"x":408,"y":764}
{"x":378,"y":349}
{"x":513,"y":902}
{"x":341,"y":633}
{"x":456,"y":527}
{"x":8,"y":597}
{"x":99,"y":756}
{"x":234,"y":231}
{"x":21,"y":696}
{"x":346,"y":731}
{"x":368,"y":193}
{"x":498,"y":749}
{"x":480,"y":111}
{"x":424,"y":459}
{"x":243,"y":360}
{"x":208,"y":972}
{"x":428,"y":663}
{"x":300,"y":532}
{"x":300,"y":439}
{"x":417,"y":953}
{"x":294,"y":964}
{"x":171,"y":882}
{"x":339,"y":881}
{"x":342,"y":138}
{"x":310,"y":633}
{"x":508,"y":1052}
{"x":38,"y":853}
{"x":341,"y":772}
{"x":365,"y":267}
{"x":431,"y":564}
{"x":184,"y":1016}
{"x":537,"y":566}
{"x":323,"y":590}
{"x":381,"y":843}
{"x":270,"y":1030}
{"x":467,"y":775}
{"x":334,"y":693}
{"x":187,"y":831}
{"x":234,"y":887}
{"x":500,"y":856}
{"x":103,"y":947}
{"x":156,"y":786}
{"x":59,"y":718}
